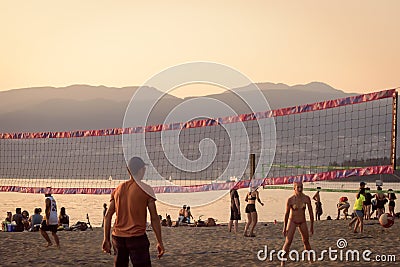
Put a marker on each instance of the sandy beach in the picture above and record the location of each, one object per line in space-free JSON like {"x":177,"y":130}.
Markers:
{"x":77,"y":206}
{"x":205,"y":246}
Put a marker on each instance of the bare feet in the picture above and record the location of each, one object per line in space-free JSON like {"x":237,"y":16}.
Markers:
{"x":48,"y":245}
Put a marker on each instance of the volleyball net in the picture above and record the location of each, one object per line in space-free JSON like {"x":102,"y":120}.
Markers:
{"x":319,"y":143}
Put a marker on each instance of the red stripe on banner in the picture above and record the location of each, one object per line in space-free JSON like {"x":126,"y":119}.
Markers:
{"x":209,"y":122}
{"x":323,"y":176}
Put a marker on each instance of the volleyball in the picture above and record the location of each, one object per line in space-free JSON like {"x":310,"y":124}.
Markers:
{"x":386,"y":220}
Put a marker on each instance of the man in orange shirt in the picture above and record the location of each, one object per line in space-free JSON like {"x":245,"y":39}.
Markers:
{"x":130,"y":201}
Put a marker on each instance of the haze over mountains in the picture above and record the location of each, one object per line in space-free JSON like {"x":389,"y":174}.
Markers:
{"x":83,"y":107}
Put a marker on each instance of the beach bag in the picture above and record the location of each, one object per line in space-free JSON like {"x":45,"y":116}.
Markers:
{"x":82,"y":226}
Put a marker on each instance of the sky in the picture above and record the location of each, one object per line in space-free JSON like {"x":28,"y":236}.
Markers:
{"x":350,"y":45}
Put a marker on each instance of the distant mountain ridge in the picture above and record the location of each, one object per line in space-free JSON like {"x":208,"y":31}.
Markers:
{"x":82,"y":107}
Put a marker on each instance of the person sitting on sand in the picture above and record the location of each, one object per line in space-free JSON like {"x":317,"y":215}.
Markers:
{"x":343,"y":205}
{"x":188,"y":214}
{"x":392,"y":197}
{"x":359,"y":210}
{"x":17,"y":217}
{"x":25,"y":219}
{"x":296,"y":207}
{"x":63,"y":219}
{"x":35,"y":220}
{"x":318,"y":205}
{"x":169,"y":221}
{"x":252,"y":216}
{"x":181,"y":214}
{"x":9,"y":217}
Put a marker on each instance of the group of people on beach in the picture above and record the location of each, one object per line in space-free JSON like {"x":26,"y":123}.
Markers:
{"x":366,"y":204}
{"x":21,"y":221}
{"x":295,"y":216}
{"x":51,"y":221}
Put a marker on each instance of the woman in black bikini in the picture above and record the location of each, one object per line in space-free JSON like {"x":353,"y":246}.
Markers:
{"x":251,"y":211}
{"x":296,"y":206}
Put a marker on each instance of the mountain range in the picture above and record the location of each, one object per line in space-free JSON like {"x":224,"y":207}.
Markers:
{"x":85,"y":107}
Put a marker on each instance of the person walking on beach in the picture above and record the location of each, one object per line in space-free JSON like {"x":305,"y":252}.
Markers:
{"x":318,"y":205}
{"x":252,"y":216}
{"x":235,"y":211}
{"x":50,"y":221}
{"x":296,"y":207}
{"x":354,"y":216}
{"x":130,"y":201}
{"x":359,"y":210}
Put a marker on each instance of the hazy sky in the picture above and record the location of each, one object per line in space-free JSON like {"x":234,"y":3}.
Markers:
{"x":351,"y":45}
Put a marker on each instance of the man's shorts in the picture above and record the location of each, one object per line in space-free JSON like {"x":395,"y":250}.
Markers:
{"x":52,"y":228}
{"x":135,"y":247}
{"x":235,"y":215}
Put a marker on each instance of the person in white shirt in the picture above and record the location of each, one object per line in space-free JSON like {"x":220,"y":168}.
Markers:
{"x":50,"y":221}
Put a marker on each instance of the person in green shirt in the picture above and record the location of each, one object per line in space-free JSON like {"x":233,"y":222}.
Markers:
{"x":359,"y":210}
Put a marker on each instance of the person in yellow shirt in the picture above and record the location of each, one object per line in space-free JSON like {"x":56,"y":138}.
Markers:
{"x":359,"y":210}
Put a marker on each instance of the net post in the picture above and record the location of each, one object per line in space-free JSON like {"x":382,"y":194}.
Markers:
{"x":394,"y":131}
{"x":252,"y":165}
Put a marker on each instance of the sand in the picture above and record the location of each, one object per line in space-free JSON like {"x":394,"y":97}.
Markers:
{"x":208,"y":246}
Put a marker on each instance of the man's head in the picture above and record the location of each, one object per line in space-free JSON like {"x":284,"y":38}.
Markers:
{"x":18,"y":210}
{"x":362,"y":184}
{"x":136,"y":167}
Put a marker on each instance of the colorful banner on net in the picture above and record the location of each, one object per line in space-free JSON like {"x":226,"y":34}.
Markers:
{"x":323,"y":176}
